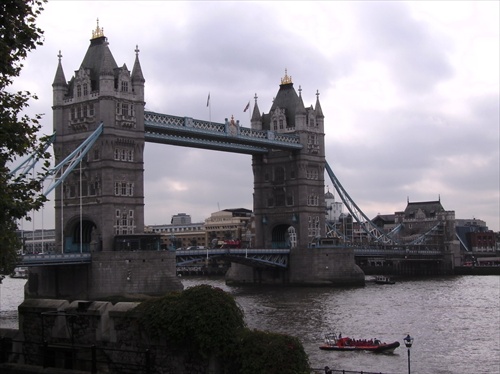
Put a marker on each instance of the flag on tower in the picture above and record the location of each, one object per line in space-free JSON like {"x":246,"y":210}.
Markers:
{"x":246,"y":108}
{"x":208,"y":99}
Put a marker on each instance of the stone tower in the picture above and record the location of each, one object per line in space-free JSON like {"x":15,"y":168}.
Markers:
{"x":289,"y":202}
{"x":104,"y":195}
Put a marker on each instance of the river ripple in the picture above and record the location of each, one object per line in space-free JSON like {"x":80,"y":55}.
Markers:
{"x":455,"y":320}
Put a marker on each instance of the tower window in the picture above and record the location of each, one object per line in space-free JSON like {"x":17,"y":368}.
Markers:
{"x":124,"y":86}
{"x":123,"y":154}
{"x":313,"y":200}
{"x":85,"y":89}
{"x":78,"y":91}
{"x":124,"y":189}
{"x":312,"y":173}
{"x":279,"y":175}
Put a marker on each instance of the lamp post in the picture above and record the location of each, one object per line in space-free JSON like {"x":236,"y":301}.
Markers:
{"x":408,"y":342}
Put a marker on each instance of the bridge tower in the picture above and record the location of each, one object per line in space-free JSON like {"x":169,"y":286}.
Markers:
{"x":104,"y":196}
{"x":289,"y":202}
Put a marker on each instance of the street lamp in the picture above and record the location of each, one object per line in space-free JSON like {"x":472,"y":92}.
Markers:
{"x":408,"y":342}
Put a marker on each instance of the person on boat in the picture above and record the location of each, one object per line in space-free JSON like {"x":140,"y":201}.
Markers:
{"x":327,"y":370}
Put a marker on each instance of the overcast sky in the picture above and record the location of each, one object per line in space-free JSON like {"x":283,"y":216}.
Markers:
{"x":409,"y":90}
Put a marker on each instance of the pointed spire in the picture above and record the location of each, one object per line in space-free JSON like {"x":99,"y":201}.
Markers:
{"x":256,"y":111}
{"x":256,"y":120}
{"x":59,"y":79}
{"x":300,"y":108}
{"x":319,"y":111}
{"x":137,"y":76}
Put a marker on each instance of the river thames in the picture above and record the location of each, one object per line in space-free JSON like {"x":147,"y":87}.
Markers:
{"x":455,"y":321}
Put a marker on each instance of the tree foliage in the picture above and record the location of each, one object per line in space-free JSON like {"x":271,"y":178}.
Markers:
{"x":267,"y":352}
{"x":202,"y":318}
{"x":207,"y":322}
{"x":19,"y":194}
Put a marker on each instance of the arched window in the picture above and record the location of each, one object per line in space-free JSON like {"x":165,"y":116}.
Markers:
{"x":292,"y":237}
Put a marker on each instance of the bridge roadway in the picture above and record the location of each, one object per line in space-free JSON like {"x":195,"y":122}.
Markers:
{"x":249,"y":256}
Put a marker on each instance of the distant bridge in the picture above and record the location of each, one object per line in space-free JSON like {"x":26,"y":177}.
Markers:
{"x":255,"y":257}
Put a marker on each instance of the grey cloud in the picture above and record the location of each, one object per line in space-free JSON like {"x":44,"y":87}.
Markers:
{"x":415,"y":54}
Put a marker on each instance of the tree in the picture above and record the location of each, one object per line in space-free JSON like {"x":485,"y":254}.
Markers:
{"x":207,"y":323}
{"x":19,"y":194}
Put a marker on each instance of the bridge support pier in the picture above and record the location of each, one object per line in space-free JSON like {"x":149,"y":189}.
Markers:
{"x":113,"y":275}
{"x":307,"y":267}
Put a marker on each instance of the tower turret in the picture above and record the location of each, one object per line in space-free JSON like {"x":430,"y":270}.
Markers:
{"x":289,"y":204}
{"x":137,"y":77}
{"x":59,"y":86}
{"x":107,"y":198}
{"x":256,"y":120}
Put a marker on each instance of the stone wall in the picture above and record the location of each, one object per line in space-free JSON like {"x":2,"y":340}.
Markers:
{"x":307,"y":267}
{"x":70,"y":329}
{"x":133,"y":274}
{"x":325,"y":267}
{"x":119,"y":275}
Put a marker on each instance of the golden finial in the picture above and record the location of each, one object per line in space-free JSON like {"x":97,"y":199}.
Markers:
{"x":286,"y":79}
{"x":99,"y":31}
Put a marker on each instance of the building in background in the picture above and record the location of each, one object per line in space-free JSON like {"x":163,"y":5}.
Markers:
{"x":333,"y":208}
{"x":38,"y":241}
{"x":478,"y":244}
{"x":180,"y":233}
{"x":230,"y":224}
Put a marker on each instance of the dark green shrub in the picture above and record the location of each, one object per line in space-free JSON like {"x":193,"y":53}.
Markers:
{"x":206,"y":322}
{"x":204,"y":319}
{"x":266,"y":352}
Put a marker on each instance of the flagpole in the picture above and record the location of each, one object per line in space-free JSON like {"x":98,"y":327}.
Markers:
{"x":209,"y":104}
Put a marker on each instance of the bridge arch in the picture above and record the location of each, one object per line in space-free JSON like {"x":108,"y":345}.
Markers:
{"x":89,"y":236}
{"x":284,"y":236}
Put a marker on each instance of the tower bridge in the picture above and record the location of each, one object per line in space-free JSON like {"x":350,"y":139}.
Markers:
{"x":105,"y":198}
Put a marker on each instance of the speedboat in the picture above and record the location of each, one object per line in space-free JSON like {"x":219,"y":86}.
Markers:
{"x":334,"y":342}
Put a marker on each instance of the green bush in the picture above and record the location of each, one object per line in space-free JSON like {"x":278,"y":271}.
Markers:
{"x":266,"y":352}
{"x":207,"y":322}
{"x":204,"y":319}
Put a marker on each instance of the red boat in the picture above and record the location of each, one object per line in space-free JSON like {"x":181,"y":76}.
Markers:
{"x":339,"y":343}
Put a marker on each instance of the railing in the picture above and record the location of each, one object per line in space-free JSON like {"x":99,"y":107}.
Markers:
{"x":91,"y":358}
{"x":55,"y":259}
{"x":76,"y":357}
{"x":269,"y":257}
{"x":400,"y":252}
{"x":339,"y":371}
